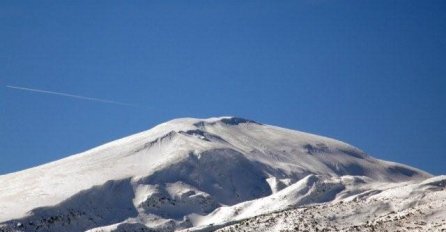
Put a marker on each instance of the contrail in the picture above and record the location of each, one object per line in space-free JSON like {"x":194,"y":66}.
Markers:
{"x":71,"y":95}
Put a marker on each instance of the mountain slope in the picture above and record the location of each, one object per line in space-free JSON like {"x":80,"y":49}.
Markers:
{"x":398,"y":207}
{"x":188,"y":173}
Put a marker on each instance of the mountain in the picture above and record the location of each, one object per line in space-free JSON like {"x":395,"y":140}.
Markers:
{"x":214,"y":174}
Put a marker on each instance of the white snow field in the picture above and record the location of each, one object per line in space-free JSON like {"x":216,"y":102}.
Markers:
{"x":226,"y":174}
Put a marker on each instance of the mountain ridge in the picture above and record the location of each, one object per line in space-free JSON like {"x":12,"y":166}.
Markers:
{"x":183,"y":173}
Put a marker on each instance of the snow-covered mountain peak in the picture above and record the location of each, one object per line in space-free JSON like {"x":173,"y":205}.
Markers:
{"x":176,"y":173}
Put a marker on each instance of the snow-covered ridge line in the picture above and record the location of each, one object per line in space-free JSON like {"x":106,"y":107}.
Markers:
{"x":190,"y":173}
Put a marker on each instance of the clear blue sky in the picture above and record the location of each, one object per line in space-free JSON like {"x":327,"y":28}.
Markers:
{"x":371,"y":73}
